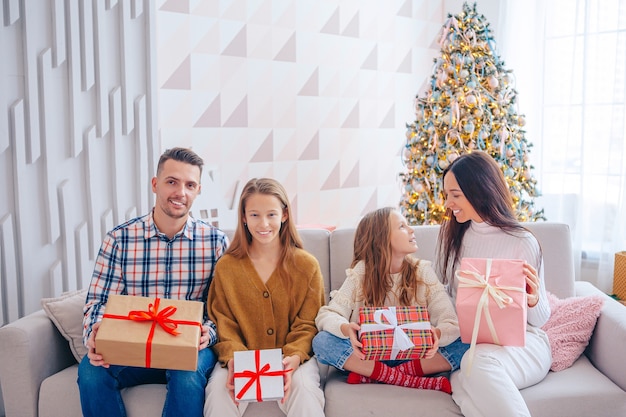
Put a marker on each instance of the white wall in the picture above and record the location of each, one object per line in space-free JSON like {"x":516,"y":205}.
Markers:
{"x":79,"y":143}
{"x":77,"y":138}
{"x":313,"y":93}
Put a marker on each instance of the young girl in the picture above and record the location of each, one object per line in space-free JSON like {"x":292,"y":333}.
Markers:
{"x":481,"y":224}
{"x":265,"y":294}
{"x":383,"y":273}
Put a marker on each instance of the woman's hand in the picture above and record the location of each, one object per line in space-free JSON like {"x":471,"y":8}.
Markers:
{"x":293,"y":363}
{"x":433,"y":350}
{"x":351,"y":330}
{"x":532,"y":285}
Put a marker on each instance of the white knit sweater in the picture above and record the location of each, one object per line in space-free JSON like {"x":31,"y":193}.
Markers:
{"x":482,"y":240}
{"x":345,"y":302}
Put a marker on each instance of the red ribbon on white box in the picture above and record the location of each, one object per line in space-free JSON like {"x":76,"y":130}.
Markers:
{"x":254,"y":376}
{"x":502,"y":299}
{"x":401,"y":340}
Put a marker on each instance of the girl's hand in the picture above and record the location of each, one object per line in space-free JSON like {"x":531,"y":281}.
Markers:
{"x":532,"y":285}
{"x":230,"y":381}
{"x":293,"y":363}
{"x":433,"y":350}
{"x":351,"y":330}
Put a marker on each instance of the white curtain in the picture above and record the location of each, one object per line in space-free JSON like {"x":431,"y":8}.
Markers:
{"x":569,"y":57}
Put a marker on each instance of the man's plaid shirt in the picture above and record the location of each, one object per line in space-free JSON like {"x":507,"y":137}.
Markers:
{"x":136,"y":259}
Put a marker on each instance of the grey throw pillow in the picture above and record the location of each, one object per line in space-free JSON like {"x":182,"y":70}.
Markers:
{"x":66,"y":312}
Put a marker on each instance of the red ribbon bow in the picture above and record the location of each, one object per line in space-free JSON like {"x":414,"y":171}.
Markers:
{"x":162,"y":318}
{"x":255,"y":376}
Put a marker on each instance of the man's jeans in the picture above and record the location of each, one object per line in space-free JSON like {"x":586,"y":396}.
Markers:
{"x":100,"y":388}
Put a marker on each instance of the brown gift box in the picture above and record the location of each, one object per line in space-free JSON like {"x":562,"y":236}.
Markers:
{"x":133,"y":332}
{"x":619,"y":275}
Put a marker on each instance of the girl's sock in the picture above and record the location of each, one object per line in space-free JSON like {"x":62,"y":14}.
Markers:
{"x":392,"y":376}
{"x":413,"y":367}
{"x":354,"y":378}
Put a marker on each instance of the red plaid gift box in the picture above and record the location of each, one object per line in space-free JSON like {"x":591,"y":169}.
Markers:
{"x":259,"y":375}
{"x":395,"y":333}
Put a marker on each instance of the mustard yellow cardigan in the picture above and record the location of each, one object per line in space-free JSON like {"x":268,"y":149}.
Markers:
{"x":250,"y":315}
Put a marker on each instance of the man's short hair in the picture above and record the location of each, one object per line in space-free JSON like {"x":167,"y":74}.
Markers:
{"x":185,"y":155}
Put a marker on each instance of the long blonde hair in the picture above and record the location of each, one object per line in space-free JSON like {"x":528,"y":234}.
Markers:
{"x":372,"y":245}
{"x":288,"y":235}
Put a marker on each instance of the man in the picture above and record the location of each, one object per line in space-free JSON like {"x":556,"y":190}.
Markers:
{"x":167,"y":254}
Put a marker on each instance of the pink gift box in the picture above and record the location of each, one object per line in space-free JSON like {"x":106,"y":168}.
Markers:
{"x":259,"y":375}
{"x":491,"y":294}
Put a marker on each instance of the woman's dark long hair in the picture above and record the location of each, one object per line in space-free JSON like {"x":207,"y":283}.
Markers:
{"x":482,"y":182}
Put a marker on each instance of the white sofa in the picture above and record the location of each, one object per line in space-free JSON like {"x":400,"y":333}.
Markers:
{"x":38,"y":371}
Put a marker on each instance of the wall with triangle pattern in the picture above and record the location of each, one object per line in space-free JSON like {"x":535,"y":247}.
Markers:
{"x":313,"y":93}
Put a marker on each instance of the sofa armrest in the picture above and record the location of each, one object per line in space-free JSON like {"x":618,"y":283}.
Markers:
{"x":606,"y":347}
{"x":31,"y":349}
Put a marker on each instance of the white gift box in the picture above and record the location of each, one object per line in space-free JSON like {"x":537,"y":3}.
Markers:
{"x":259,"y":375}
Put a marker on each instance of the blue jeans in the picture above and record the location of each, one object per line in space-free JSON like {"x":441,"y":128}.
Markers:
{"x":334,"y":351}
{"x":100,"y":388}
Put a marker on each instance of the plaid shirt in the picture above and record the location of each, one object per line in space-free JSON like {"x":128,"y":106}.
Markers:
{"x":136,"y":259}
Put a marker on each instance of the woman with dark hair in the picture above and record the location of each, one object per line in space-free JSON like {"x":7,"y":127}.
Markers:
{"x":266,"y":293}
{"x":384,"y":273}
{"x":480,"y":224}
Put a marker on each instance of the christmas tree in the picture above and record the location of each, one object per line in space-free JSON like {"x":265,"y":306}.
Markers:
{"x":470,"y":103}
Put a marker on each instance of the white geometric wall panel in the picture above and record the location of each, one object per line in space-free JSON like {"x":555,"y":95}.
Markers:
{"x":313,"y":93}
{"x":78,"y":138}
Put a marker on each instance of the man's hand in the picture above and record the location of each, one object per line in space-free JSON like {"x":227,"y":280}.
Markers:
{"x":94,"y":358}
{"x":204,"y":338}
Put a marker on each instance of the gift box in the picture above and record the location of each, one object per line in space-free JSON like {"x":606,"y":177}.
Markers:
{"x":150,"y":332}
{"x":619,"y":275}
{"x":395,"y":333}
{"x":259,"y":375}
{"x":491,"y":301}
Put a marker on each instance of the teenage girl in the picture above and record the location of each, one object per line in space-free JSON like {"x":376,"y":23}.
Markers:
{"x":265,"y":294}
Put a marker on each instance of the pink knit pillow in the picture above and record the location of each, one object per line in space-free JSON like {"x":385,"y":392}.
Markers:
{"x":570,"y":327}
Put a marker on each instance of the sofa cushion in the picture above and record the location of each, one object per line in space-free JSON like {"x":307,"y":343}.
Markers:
{"x":579,"y":390}
{"x":570,"y":327}
{"x":357,"y":400}
{"x":59,"y":396}
{"x":66,"y":312}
